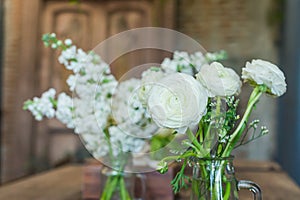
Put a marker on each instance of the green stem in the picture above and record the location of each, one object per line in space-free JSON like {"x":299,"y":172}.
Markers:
{"x":123,"y":191}
{"x":110,"y":187}
{"x":179,"y":181}
{"x":199,"y":148}
{"x":116,"y":180}
{"x":207,"y":140}
{"x":217,"y":172}
{"x":218,"y":108}
{"x":104,"y":192}
{"x":227,"y":192}
{"x":200,"y":132}
{"x":242,"y":125}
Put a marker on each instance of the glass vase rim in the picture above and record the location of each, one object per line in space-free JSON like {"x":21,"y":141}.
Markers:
{"x":227,"y":158}
{"x":109,"y":171}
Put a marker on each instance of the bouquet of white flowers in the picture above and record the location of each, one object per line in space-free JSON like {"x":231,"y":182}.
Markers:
{"x":198,"y":99}
{"x":191,"y":94}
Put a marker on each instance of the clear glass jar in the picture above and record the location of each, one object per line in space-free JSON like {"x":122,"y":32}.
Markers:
{"x":214,"y":179}
{"x":119,"y":185}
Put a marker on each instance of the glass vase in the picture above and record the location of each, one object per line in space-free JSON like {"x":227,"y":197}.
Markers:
{"x":214,"y":179}
{"x":119,"y":185}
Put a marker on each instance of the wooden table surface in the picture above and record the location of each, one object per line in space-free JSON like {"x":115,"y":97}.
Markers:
{"x":65,"y":183}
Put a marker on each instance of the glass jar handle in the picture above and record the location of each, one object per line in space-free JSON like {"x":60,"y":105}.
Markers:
{"x":253,"y":187}
{"x":142,"y":178}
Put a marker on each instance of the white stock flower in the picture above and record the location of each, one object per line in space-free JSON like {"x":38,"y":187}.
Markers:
{"x":67,"y":55}
{"x":149,"y":78}
{"x":64,"y":109}
{"x":68,"y":42}
{"x":89,"y":112}
{"x":75,"y":59}
{"x":121,"y":100}
{"x":198,"y":60}
{"x":102,"y":110}
{"x":95,"y":71}
{"x":177,"y":101}
{"x":219,"y":80}
{"x":108,"y":85}
{"x":183,"y":62}
{"x":43,"y":106}
{"x":169,"y":66}
{"x":263,"y":72}
{"x":123,"y":141}
{"x":126,"y":104}
{"x":71,"y":81}
{"x":96,"y":144}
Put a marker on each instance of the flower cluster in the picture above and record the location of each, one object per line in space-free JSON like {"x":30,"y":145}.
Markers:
{"x":106,"y":114}
{"x":43,"y":106}
{"x":190,"y":63}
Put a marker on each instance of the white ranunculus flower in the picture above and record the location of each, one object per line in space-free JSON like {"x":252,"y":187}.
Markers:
{"x":177,"y":101}
{"x":219,"y":80}
{"x":264,"y":72}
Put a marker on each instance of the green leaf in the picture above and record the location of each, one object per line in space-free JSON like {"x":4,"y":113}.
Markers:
{"x":26,"y":104}
{"x":180,"y":181}
{"x":54,"y":102}
{"x":46,"y":37}
{"x":159,"y":141}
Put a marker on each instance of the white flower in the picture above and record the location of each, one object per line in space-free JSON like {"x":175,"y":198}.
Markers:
{"x":149,"y":78}
{"x":75,"y":66}
{"x":178,"y":101}
{"x":183,"y":62}
{"x":264,"y":72}
{"x":59,"y":43}
{"x":219,"y":80}
{"x":169,"y":66}
{"x":67,"y":55}
{"x":96,"y":144}
{"x":68,"y":42}
{"x":89,"y":112}
{"x":102,"y":110}
{"x":211,"y":56}
{"x":198,"y":60}
{"x":64,"y":110}
{"x":126,"y":105}
{"x":123,"y":141}
{"x":43,"y":106}
{"x":71,"y":81}
{"x":54,"y":46}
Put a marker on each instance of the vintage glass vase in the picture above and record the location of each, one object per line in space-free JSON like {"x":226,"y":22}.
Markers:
{"x":119,"y":185}
{"x":214,"y":179}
